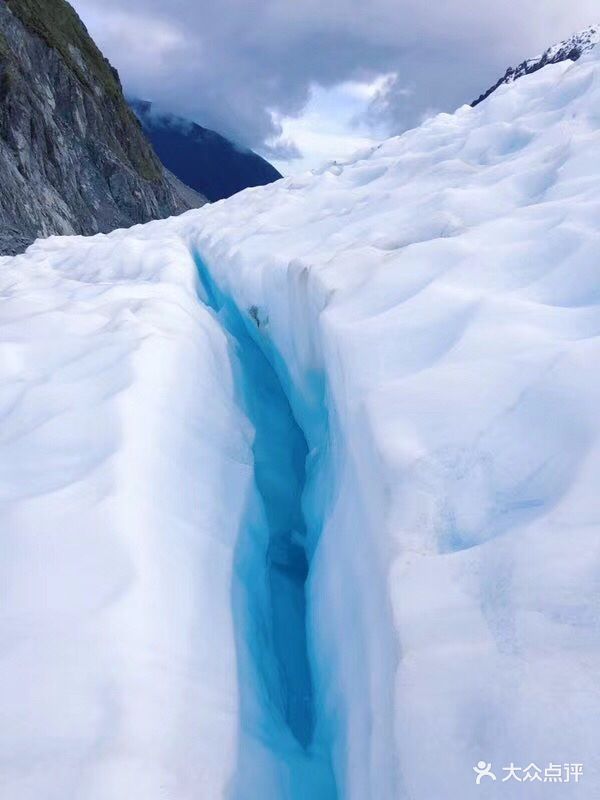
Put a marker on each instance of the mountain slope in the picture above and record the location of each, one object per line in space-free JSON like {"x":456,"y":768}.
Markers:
{"x":73,"y":157}
{"x":375,"y":390}
{"x":570,"y":49}
{"x":201,"y":158}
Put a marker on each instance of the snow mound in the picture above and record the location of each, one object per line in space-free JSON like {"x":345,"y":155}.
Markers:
{"x":432,"y":313}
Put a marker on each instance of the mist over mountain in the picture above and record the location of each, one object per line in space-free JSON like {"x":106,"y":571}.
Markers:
{"x":201,"y":158}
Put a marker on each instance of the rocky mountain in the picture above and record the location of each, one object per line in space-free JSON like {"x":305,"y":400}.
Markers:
{"x":571,"y":48}
{"x":73,"y":157}
{"x":201,"y":158}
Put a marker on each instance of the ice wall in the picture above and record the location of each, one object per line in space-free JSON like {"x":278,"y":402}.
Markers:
{"x":281,"y":752}
{"x":125,"y":465}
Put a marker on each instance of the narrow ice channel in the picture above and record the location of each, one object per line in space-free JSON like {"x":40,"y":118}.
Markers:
{"x":280,"y":755}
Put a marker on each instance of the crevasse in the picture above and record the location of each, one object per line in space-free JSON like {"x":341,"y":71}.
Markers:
{"x":283,"y":750}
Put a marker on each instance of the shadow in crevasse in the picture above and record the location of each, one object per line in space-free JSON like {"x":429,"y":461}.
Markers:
{"x":278,"y":755}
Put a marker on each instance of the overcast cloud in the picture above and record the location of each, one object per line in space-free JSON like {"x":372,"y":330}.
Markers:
{"x":248,"y":68}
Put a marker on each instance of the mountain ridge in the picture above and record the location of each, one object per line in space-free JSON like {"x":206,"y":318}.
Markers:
{"x":571,"y":48}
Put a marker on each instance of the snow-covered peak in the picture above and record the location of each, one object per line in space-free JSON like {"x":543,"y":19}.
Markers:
{"x":569,"y":49}
{"x":572,"y":47}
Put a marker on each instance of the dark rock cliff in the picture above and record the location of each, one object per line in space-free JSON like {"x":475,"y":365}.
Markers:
{"x":73,"y":157}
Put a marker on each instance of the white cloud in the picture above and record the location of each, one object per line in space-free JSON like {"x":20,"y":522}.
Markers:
{"x":247,"y":67}
{"x":329,"y":127}
{"x":142,"y":41}
{"x":367,"y":90}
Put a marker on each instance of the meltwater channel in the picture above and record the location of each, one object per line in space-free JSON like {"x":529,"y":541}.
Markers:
{"x":281,"y":756}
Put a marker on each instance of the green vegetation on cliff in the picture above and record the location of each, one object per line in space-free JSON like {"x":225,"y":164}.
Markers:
{"x":57,"y":23}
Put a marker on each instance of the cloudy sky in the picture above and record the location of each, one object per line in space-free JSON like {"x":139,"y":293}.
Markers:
{"x":303,"y":81}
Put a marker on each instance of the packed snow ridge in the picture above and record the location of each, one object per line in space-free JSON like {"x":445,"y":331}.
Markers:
{"x":569,"y":49}
{"x":299,"y":491}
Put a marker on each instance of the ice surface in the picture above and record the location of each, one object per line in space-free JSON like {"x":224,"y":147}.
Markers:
{"x":427,"y":317}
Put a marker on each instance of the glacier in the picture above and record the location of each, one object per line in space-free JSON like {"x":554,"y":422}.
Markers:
{"x":299,"y":491}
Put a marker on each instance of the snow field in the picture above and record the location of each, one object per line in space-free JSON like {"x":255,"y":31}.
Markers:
{"x":118,"y":667}
{"x":445,"y":285}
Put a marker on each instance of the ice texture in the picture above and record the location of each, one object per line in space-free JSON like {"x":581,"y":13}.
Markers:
{"x":427,"y":317}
